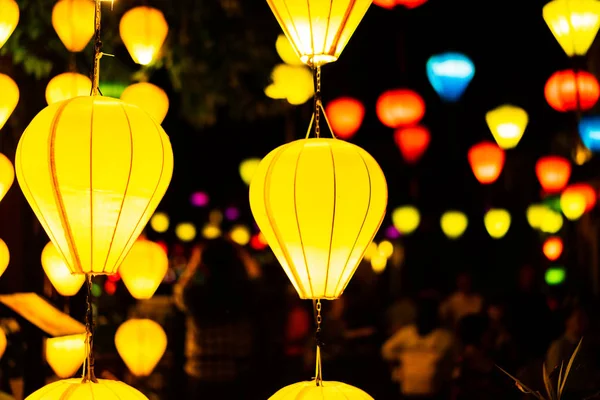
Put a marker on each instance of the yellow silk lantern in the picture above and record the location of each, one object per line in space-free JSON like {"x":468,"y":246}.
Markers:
{"x":293,"y":83}
{"x":9,"y":18}
{"x":66,"y":86}
{"x":73,"y":21}
{"x":94,"y":170}
{"x":76,"y":389}
{"x":326,"y":390}
{"x":406,"y":219}
{"x":160,"y":222}
{"x":535,"y":215}
{"x":572,"y":204}
{"x":574,"y":23}
{"x":149,"y":98}
{"x":4,"y":256}
{"x":3,"y":342}
{"x":144,"y":268}
{"x":507,"y":123}
{"x":58,"y":273}
{"x":454,"y":224}
{"x":552,"y":222}
{"x":497,"y":222}
{"x":286,"y":51}
{"x":141,"y":344}
{"x":240,"y":234}
{"x":7,"y":175}
{"x":143,"y":31}
{"x":8,"y":99}
{"x":319,"y":203}
{"x":185,"y":231}
{"x":319,"y":30}
{"x":66,"y":354}
{"x":248,"y":168}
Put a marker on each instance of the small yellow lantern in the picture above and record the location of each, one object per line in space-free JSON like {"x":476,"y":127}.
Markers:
{"x":9,"y":98}
{"x":141,"y":344}
{"x":536,"y":214}
{"x":76,"y":389}
{"x":574,"y":24}
{"x":293,"y":83}
{"x":144,"y":268}
{"x":497,"y":222}
{"x":329,"y":390}
{"x":454,"y":224}
{"x":286,"y":51}
{"x":248,"y":168}
{"x":572,"y":204}
{"x":59,"y":274}
{"x":372,"y":251}
{"x":66,"y":86}
{"x":378,"y":263}
{"x":507,"y":123}
{"x":211,"y":231}
{"x":149,"y":98}
{"x":406,"y":219}
{"x":7,"y":175}
{"x":385,"y":248}
{"x":3,"y":342}
{"x":73,"y":21}
{"x":66,"y":354}
{"x":143,"y":31}
{"x":4,"y":256}
{"x":9,"y":18}
{"x":552,"y":222}
{"x":240,"y":234}
{"x":185,"y":231}
{"x":160,"y":222}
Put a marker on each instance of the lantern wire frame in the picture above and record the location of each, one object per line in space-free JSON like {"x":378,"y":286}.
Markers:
{"x":318,"y":108}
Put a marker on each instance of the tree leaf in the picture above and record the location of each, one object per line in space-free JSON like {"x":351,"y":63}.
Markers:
{"x":547,"y":383}
{"x":569,"y":365}
{"x":522,"y":386}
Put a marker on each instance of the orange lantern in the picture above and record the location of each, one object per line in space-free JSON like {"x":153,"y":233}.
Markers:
{"x":553,"y":172}
{"x":345,"y":116}
{"x":412,"y":142}
{"x":487,"y":161}
{"x":587,"y":191}
{"x":400,"y":107}
{"x":553,"y":248}
{"x":387,"y":4}
{"x":410,"y":3}
{"x":571,"y":91}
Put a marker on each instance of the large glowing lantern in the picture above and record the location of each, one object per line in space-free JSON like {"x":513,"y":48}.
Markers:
{"x":58,"y":273}
{"x":450,"y":74}
{"x":507,"y":123}
{"x":589,"y":131}
{"x":553,"y":248}
{"x":400,"y":107}
{"x":9,"y":18}
{"x":406,"y":219}
{"x":497,"y":222}
{"x":319,"y":30}
{"x":487,"y":161}
{"x":535,"y":215}
{"x":65,"y":354}
{"x":345,"y":116}
{"x":571,"y":91}
{"x":553,"y":172}
{"x":144,"y":268}
{"x":73,"y":21}
{"x":454,"y":224}
{"x":76,"y":389}
{"x":66,"y":86}
{"x":143,"y":31}
{"x":4,"y":256}
{"x":7,"y":175}
{"x":94,"y":170}
{"x":329,"y":390}
{"x":574,"y":23}
{"x":572,"y":204}
{"x":319,"y":203}
{"x":149,"y":98}
{"x":587,"y":191}
{"x":412,"y":142}
{"x":141,"y":344}
{"x":9,"y":98}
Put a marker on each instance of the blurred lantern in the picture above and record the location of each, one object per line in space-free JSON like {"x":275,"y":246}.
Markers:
{"x":571,"y":91}
{"x":257,"y":243}
{"x":385,"y":248}
{"x":299,"y":198}
{"x":4,"y":256}
{"x":487,"y":161}
{"x":78,"y":389}
{"x":589,"y":130}
{"x":581,"y":154}
{"x":66,"y":86}
{"x":507,"y":123}
{"x":400,"y":107}
{"x":412,"y":142}
{"x":110,"y":287}
{"x":345,"y":116}
{"x":553,"y":172}
{"x":149,"y":98}
{"x":58,"y":273}
{"x":454,"y":224}
{"x":240,"y":234}
{"x":378,"y":263}
{"x":73,"y":21}
{"x":144,"y":268}
{"x":406,"y":219}
{"x":325,"y":390}
{"x":7,"y":175}
{"x":450,"y":74}
{"x":574,"y":24}
{"x":497,"y":222}
{"x":215,"y":217}
{"x":410,"y":3}
{"x":9,"y":98}
{"x":185,"y":231}
{"x":555,"y":276}
{"x":199,"y":199}
{"x":141,"y":344}
{"x":143,"y":31}
{"x":3,"y":342}
{"x":553,"y":248}
{"x":94,"y":170}
{"x":293,"y":83}
{"x":160,"y":222}
{"x":232,"y":213}
{"x":535,"y":215}
{"x":66,"y":354}
{"x":248,"y":168}
{"x":572,"y":204}
{"x":9,"y":19}
{"x":387,"y":4}
{"x":391,"y":232}
{"x":211,"y":231}
{"x":587,"y":191}
{"x":552,"y":222}
{"x":286,"y":52}
{"x":371,"y":251}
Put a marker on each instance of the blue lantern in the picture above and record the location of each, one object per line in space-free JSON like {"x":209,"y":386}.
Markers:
{"x":589,"y":130}
{"x":450,"y":74}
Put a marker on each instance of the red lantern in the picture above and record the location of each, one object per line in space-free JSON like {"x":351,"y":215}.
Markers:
{"x":412,"y":142}
{"x":411,"y":3}
{"x":563,"y":94}
{"x":553,"y":248}
{"x":553,"y":172}
{"x":345,"y":116}
{"x":487,"y":160}
{"x":587,"y":191}
{"x":400,"y":107}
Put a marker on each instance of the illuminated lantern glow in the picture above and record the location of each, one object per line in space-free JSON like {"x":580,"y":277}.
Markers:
{"x":240,"y":234}
{"x":507,"y":123}
{"x":587,"y":191}
{"x":372,"y":251}
{"x":93,"y":170}
{"x":553,"y":248}
{"x":199,"y":199}
{"x":299,"y":198}
{"x":309,"y":390}
{"x":7,"y":175}
{"x":143,"y":31}
{"x":406,"y":219}
{"x":57,"y":271}
{"x":76,"y":389}
{"x":412,"y":142}
{"x":555,"y":276}
{"x":257,"y":242}
{"x":248,"y":169}
{"x":66,"y":354}
{"x":378,"y":263}
{"x":552,"y":222}
{"x":572,"y":204}
{"x":73,"y":21}
{"x":487,"y":160}
{"x":569,"y":91}
{"x":400,"y":107}
{"x":535,"y":215}
{"x":3,"y":342}
{"x":589,"y":131}
{"x":149,"y":98}
{"x":292,"y":83}
{"x":454,"y":224}
{"x":385,"y":248}
{"x":4,"y":256}
{"x":160,"y":222}
{"x":141,"y":344}
{"x":387,"y":4}
{"x":450,"y":74}
{"x":286,"y":52}
{"x":553,"y":173}
{"x":211,"y":231}
{"x":411,"y":3}
{"x":345,"y":116}
{"x":185,"y":231}
{"x":9,"y":19}
{"x":144,"y":268}
{"x":497,"y":222}
{"x":66,"y":86}
{"x":574,"y":24}
{"x":9,"y":98}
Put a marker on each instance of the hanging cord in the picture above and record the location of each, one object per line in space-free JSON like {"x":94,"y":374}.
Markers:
{"x":318,"y":107}
{"x":88,"y":365}
{"x":319,"y":342}
{"x":98,"y":49}
{"x":72,"y":62}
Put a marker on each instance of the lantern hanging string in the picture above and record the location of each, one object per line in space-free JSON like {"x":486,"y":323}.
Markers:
{"x":319,"y":369}
{"x":98,"y":48}
{"x":88,"y":366}
{"x":72,"y":62}
{"x":318,"y":107}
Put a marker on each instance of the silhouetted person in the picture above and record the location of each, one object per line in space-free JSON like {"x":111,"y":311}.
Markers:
{"x":462,"y":302}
